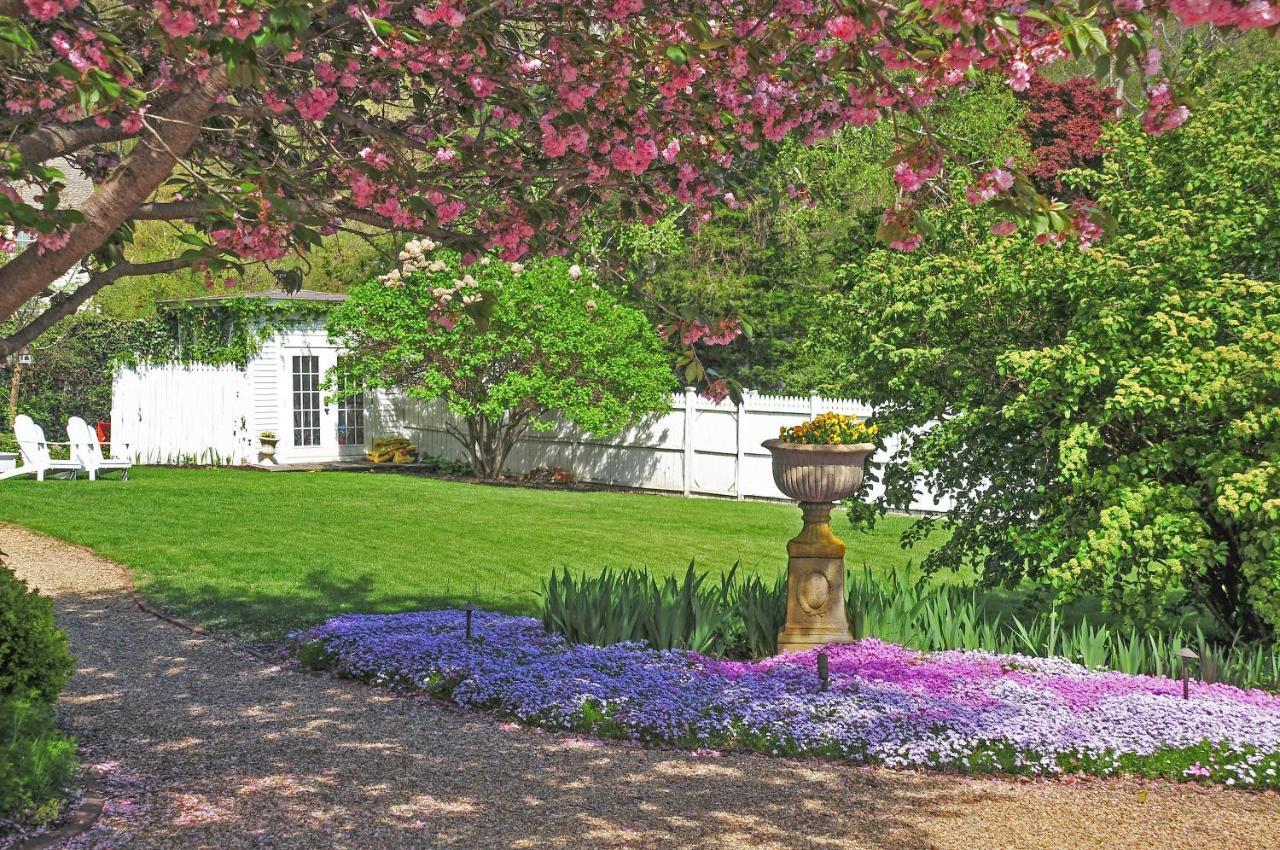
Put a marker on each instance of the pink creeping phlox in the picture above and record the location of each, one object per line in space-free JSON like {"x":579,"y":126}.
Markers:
{"x":969,"y":711}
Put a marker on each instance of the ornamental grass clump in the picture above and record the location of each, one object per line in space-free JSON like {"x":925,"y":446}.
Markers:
{"x":735,"y":618}
{"x":631,"y":605}
{"x":829,"y":429}
{"x":740,"y":616}
{"x":969,"y":711}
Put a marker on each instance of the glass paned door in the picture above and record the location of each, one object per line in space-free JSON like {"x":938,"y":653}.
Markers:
{"x":306,"y":400}
{"x":350,"y":425}
{"x":326,"y":426}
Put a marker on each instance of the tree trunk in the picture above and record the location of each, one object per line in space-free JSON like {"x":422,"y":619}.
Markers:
{"x":488,"y":443}
{"x":135,"y":180}
{"x":1226,"y":590}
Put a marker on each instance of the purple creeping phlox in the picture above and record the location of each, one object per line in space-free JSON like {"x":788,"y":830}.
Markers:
{"x":967,"y":711}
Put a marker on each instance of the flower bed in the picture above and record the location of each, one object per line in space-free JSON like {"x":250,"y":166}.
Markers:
{"x":968,"y":711}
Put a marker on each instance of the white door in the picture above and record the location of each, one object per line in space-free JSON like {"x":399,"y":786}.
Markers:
{"x":320,"y":428}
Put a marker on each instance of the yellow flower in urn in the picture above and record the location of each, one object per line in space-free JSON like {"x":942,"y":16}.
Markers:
{"x":829,"y":429}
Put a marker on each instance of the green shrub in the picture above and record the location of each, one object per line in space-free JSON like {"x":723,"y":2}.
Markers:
{"x":74,"y":364}
{"x":444,"y":465}
{"x":37,"y":762}
{"x":33,"y":650}
{"x":1119,"y":439}
{"x":519,"y":349}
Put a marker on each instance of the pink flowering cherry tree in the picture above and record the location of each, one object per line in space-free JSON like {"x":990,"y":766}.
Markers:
{"x":490,"y":126}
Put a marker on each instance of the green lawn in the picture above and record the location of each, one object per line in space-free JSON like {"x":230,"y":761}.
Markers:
{"x":261,"y":553}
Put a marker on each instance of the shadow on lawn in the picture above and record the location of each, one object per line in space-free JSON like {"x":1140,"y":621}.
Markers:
{"x":251,"y":613}
{"x":268,"y":617}
{"x":231,"y":752}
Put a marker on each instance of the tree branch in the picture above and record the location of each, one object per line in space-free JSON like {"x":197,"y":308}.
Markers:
{"x":67,"y":303}
{"x":386,"y":134}
{"x":168,"y":210}
{"x":193,"y":209}
{"x":49,"y":142}
{"x":135,"y":180}
{"x":451,"y":238}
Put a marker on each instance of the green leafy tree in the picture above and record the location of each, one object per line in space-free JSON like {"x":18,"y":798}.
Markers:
{"x":71,"y":369}
{"x":1108,"y":418}
{"x":506,"y":347}
{"x":807,"y":211}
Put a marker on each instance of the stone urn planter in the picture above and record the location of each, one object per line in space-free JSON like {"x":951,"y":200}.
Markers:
{"x":267,"y":445}
{"x":817,"y":476}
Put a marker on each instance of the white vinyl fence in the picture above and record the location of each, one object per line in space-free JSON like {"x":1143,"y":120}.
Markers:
{"x":180,"y":414}
{"x":698,"y":448}
{"x":203,"y":414}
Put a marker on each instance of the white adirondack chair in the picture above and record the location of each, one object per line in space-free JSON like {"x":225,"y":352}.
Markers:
{"x":34,"y":452}
{"x":87,"y":451}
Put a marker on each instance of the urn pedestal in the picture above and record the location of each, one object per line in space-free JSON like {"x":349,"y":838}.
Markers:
{"x":817,"y":476}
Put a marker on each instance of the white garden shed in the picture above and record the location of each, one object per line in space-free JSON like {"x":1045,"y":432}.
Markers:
{"x":215,"y":414}
{"x":177,"y":413}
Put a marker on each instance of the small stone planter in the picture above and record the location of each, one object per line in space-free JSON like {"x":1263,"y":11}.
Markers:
{"x":817,"y":476}
{"x":267,"y":447}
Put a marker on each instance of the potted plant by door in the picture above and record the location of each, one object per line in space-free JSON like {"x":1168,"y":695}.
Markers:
{"x":267,"y":444}
{"x":818,"y":463}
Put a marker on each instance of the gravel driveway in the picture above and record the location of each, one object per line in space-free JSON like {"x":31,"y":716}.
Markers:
{"x":201,"y":745}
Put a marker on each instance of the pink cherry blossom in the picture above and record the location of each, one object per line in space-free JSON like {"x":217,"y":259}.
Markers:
{"x":132,"y":122}
{"x":990,"y":184}
{"x":1019,"y":75}
{"x":527,"y":136}
{"x":315,"y":104}
{"x":1088,"y":232}
{"x":49,"y":242}
{"x":1151,"y":65}
{"x":275,"y":104}
{"x":1163,"y":113}
{"x":241,"y":26}
{"x":722,"y":332}
{"x":47,"y":10}
{"x":843,"y":27}
{"x":178,"y":23}
{"x":693,"y":332}
{"x":911,"y":176}
{"x":716,"y":391}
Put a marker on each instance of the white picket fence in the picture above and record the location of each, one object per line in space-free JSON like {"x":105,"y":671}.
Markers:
{"x":203,"y":414}
{"x":698,"y":448}
{"x":181,"y":414}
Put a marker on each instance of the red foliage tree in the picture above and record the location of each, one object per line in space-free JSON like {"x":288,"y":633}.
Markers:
{"x":1064,"y":123}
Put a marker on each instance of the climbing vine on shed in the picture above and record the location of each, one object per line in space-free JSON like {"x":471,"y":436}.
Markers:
{"x":226,"y":332}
